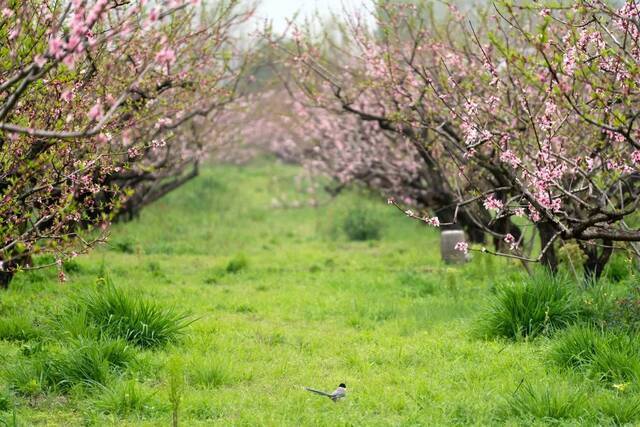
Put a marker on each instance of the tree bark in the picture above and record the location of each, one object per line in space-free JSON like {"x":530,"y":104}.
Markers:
{"x":595,"y":263}
{"x":5,"y":279}
{"x":549,"y":258}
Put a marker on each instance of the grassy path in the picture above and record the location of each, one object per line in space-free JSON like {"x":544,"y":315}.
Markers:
{"x":309,"y":308}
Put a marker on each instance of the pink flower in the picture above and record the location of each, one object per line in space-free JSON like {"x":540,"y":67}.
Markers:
{"x":56,"y":48}
{"x":434,"y":221}
{"x":166,"y":56}
{"x":635,"y":157}
{"x":7,"y":13}
{"x":511,"y":241}
{"x":67,"y":96}
{"x":40,"y":60}
{"x":534,"y":215}
{"x":508,"y":157}
{"x":491,"y":203}
{"x":14,"y":33}
{"x":96,"y":112}
{"x":134,"y":152}
{"x":462,"y":247}
{"x":154,"y":14}
{"x":570,"y":61}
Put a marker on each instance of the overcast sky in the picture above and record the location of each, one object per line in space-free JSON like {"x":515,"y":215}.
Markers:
{"x":279,"y":10}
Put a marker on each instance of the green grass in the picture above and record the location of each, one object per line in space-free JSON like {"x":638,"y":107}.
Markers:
{"x":539,"y":305}
{"x":282,"y":299}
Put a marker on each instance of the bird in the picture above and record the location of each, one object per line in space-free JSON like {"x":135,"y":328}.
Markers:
{"x":337,"y":394}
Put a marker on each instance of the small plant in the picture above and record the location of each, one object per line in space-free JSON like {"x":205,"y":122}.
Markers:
{"x":237,"y":264}
{"x":209,"y":375}
{"x":138,"y":321}
{"x":360,"y":224}
{"x":124,"y":398}
{"x":176,"y":387}
{"x":539,"y":306}
{"x":557,"y":403}
{"x":611,"y":356}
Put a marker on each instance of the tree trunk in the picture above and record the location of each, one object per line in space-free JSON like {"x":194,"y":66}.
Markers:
{"x":5,"y":279}
{"x":595,"y":263}
{"x":549,"y":259}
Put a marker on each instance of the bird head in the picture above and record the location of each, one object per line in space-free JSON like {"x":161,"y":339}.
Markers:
{"x":343,"y":385}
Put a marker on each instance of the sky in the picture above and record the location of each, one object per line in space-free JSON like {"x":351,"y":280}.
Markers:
{"x":279,"y":10}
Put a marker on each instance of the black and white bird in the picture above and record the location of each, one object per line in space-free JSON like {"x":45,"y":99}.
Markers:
{"x":337,"y":394}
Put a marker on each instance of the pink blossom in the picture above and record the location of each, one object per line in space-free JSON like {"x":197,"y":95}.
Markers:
{"x":154,"y":14}
{"x":491,"y":203}
{"x":570,"y":61}
{"x":7,"y":13}
{"x":56,"y":47}
{"x":15,"y":31}
{"x":134,"y":152}
{"x":39,"y":60}
{"x":96,"y":112}
{"x":635,"y":157}
{"x":67,"y":95}
{"x":511,"y":241}
{"x":508,"y":157}
{"x":166,"y":56}
{"x":433,"y":221}
{"x":462,"y":247}
{"x":534,"y":215}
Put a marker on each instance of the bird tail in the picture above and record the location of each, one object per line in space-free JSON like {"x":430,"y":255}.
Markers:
{"x":321,"y":393}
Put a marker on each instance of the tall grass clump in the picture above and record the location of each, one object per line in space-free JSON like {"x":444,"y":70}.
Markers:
{"x":17,"y":328}
{"x":540,"y":305}
{"x":545,"y":403}
{"x":237,"y":264}
{"x":139,"y":321}
{"x":611,"y":356}
{"x":621,"y":410}
{"x":125,"y":398}
{"x":84,"y":362}
{"x":361,"y":224}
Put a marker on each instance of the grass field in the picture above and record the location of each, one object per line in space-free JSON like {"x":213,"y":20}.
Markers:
{"x":280,"y":299}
